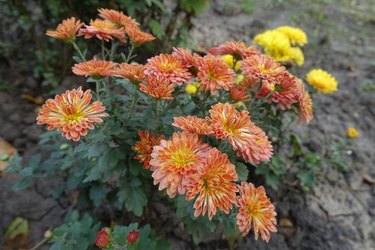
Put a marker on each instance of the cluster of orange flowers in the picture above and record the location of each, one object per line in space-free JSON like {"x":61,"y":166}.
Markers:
{"x":184,"y":164}
{"x":115,"y":24}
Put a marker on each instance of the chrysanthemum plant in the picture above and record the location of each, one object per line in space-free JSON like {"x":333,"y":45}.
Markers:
{"x":182,"y":130}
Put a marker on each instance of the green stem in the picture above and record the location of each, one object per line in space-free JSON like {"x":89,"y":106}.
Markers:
{"x":113,"y":50}
{"x":133,"y":104}
{"x":39,"y":244}
{"x":75,"y":46}
{"x":130,"y":53}
{"x":103,"y":50}
{"x":97,"y":89}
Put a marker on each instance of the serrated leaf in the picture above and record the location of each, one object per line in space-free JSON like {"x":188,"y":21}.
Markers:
{"x":136,"y":201}
{"x":156,"y":29}
{"x":242,"y":171}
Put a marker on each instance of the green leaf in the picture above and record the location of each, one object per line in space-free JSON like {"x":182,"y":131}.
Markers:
{"x":194,"y":6}
{"x":273,"y":181}
{"x":297,"y":146}
{"x":19,"y":226}
{"x":22,"y":184}
{"x":134,"y":199}
{"x":242,"y":171}
{"x":156,"y":29}
{"x":307,"y":178}
{"x":97,"y":194}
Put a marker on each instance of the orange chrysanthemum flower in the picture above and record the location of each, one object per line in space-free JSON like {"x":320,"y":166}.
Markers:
{"x":305,"y":110}
{"x":213,"y":184}
{"x":133,"y":72}
{"x":214,"y":74}
{"x":167,"y":66}
{"x":118,"y":18}
{"x":250,"y":51}
{"x":232,"y":47}
{"x":286,"y":92}
{"x":103,"y":30}
{"x":250,"y":83}
{"x":137,"y":36}
{"x":174,"y":160}
{"x":193,"y":124}
{"x":185,"y":56}
{"x":262,"y":67}
{"x":145,"y":145}
{"x":66,"y":30}
{"x":158,"y":87}
{"x":248,"y":140}
{"x":94,"y":68}
{"x":238,"y":94}
{"x":255,"y":208}
{"x":71,"y":113}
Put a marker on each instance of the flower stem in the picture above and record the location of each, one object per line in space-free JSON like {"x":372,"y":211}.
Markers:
{"x":75,"y":46}
{"x":130,"y":53}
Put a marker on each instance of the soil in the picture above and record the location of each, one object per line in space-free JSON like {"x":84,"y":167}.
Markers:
{"x":339,"y":211}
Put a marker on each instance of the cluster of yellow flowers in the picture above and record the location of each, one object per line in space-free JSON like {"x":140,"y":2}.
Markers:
{"x":280,"y":44}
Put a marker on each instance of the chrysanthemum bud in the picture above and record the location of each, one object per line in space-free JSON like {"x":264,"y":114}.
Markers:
{"x":102,"y":238}
{"x":48,"y":234}
{"x":132,"y":236}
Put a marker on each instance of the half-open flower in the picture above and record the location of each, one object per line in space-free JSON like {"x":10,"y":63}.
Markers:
{"x":214,"y":185}
{"x":168,"y":67}
{"x":144,"y":146}
{"x":94,"y":68}
{"x":66,"y":30}
{"x":103,"y":30}
{"x":157,"y":87}
{"x":193,"y":124}
{"x":256,"y":209}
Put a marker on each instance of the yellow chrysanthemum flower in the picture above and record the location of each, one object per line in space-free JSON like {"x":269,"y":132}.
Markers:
{"x":277,"y":45}
{"x":352,"y":133}
{"x":297,"y":56}
{"x":322,"y":81}
{"x":295,"y":35}
{"x":273,"y":42}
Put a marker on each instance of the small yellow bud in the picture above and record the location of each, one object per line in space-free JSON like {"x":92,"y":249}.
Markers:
{"x":228,"y":59}
{"x":191,"y":88}
{"x":352,"y":133}
{"x":237,"y":67}
{"x":239,"y":79}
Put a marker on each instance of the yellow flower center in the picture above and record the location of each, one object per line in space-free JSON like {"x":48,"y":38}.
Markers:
{"x":167,"y":67}
{"x":103,"y":25}
{"x":182,"y":157}
{"x":71,"y":113}
{"x":253,"y":210}
{"x":211,"y":76}
{"x":263,"y":69}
